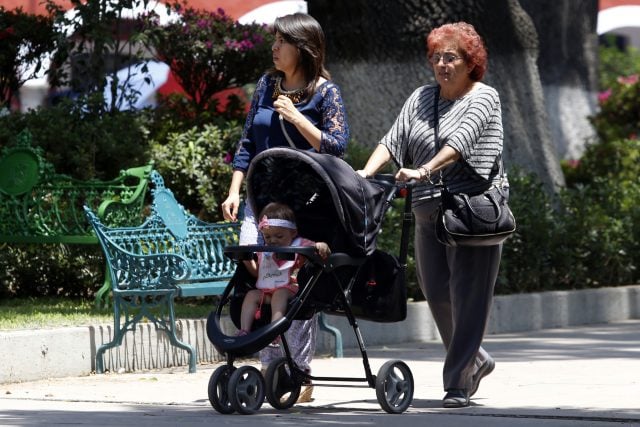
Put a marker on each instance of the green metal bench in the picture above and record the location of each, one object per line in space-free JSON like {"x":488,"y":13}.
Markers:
{"x":172,"y":254}
{"x":38,"y":205}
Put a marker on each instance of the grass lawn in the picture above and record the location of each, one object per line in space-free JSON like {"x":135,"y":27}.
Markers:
{"x":36,"y":313}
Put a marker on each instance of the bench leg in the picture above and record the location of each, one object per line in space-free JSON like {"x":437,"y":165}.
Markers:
{"x":102,"y":296}
{"x":173,"y":338}
{"x":137,"y":308}
{"x":322,"y":322}
{"x":118,"y":335}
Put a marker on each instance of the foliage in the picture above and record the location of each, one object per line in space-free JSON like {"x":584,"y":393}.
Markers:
{"x":619,"y":115}
{"x":192,"y":149}
{"x":600,"y":236}
{"x":616,"y":62}
{"x":357,"y":155}
{"x":209,"y":52}
{"x":95,"y":41}
{"x":50,"y":270}
{"x":527,"y":255}
{"x":197,"y":166}
{"x":25,"y":40}
{"x":617,"y":160}
{"x":585,"y":236}
{"x":604,"y":184}
{"x":175,"y":113}
{"x":79,"y":143}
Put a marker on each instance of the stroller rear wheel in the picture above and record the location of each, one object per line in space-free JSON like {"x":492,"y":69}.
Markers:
{"x":283,"y":386}
{"x":246,"y":390}
{"x":218,"y":384}
{"x":394,"y":386}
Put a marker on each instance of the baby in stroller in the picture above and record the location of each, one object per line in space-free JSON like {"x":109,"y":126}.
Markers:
{"x":276,"y":281}
{"x":331,"y":204}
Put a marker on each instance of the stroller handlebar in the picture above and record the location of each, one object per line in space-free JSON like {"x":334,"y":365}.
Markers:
{"x":393,"y":188}
{"x":338,"y":259}
{"x":246,"y":252}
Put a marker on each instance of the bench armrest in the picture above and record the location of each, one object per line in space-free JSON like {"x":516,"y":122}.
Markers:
{"x":145,"y":272}
{"x":135,"y":200}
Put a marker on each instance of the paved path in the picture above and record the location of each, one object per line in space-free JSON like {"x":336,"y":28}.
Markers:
{"x":584,"y":376}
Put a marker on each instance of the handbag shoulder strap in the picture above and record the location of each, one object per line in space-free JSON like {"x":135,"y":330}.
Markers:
{"x":436,"y":127}
{"x":284,"y":130}
{"x":436,"y":119}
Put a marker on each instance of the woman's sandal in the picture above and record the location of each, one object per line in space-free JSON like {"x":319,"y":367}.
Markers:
{"x":305,"y":394}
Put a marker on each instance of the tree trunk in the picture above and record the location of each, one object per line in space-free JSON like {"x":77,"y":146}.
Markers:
{"x":568,"y":68}
{"x":377,"y":54}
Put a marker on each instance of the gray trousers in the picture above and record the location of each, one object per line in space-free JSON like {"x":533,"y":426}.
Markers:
{"x":301,"y":337}
{"x":458,"y":283}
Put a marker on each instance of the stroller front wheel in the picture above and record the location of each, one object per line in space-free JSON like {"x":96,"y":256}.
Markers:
{"x":283,"y":387}
{"x":394,"y":387}
{"x":218,"y":385}
{"x":246,"y":390}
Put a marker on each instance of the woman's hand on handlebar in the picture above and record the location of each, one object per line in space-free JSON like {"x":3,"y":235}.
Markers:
{"x":406,"y":174}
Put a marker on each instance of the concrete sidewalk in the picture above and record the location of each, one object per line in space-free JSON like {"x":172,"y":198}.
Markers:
{"x":579,"y":376}
{"x":71,"y":351}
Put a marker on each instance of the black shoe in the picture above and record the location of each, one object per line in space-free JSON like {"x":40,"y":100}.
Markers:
{"x":455,"y":398}
{"x":485,"y":369}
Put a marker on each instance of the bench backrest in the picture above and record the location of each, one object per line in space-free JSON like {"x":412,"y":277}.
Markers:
{"x":171,"y":247}
{"x":38,"y":205}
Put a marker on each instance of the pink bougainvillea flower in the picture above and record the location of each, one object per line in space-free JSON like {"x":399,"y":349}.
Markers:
{"x":228,"y":158}
{"x":7,"y":32}
{"x":628,"y":80}
{"x":573,"y":163}
{"x":603,"y":96}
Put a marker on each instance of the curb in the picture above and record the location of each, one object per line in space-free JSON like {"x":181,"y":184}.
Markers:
{"x":29,"y":355}
{"x":509,"y":313}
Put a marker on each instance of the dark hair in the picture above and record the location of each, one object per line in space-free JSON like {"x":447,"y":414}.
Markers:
{"x":469,"y":43}
{"x":275,"y":210}
{"x":304,"y":32}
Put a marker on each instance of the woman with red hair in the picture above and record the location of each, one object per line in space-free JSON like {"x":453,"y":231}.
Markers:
{"x":451,"y":133}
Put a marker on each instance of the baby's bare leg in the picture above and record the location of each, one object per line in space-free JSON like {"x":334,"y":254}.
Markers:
{"x":279,"y":303}
{"x":249,"y":307}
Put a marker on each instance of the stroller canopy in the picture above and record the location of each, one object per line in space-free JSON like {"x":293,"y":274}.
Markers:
{"x":332,"y":203}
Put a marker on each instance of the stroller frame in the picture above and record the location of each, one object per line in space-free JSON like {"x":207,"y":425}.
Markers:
{"x":244,"y":389}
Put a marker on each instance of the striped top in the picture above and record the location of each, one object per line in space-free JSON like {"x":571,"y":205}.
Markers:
{"x":472,"y":125}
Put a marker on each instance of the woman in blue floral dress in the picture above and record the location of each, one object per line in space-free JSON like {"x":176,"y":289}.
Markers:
{"x":294,"y":104}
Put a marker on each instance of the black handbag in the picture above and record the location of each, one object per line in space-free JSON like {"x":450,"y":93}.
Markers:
{"x":483,"y":219}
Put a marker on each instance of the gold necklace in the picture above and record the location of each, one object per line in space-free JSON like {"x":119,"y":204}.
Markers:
{"x":295,"y":95}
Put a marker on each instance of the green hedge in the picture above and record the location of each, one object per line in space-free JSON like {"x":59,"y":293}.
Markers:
{"x":585,"y":236}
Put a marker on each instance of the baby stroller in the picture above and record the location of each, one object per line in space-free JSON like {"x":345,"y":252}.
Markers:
{"x":332,"y":204}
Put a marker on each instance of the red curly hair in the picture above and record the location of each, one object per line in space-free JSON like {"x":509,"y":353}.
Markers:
{"x":469,"y":42}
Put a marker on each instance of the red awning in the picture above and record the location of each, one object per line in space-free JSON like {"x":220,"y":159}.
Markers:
{"x":234,"y":8}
